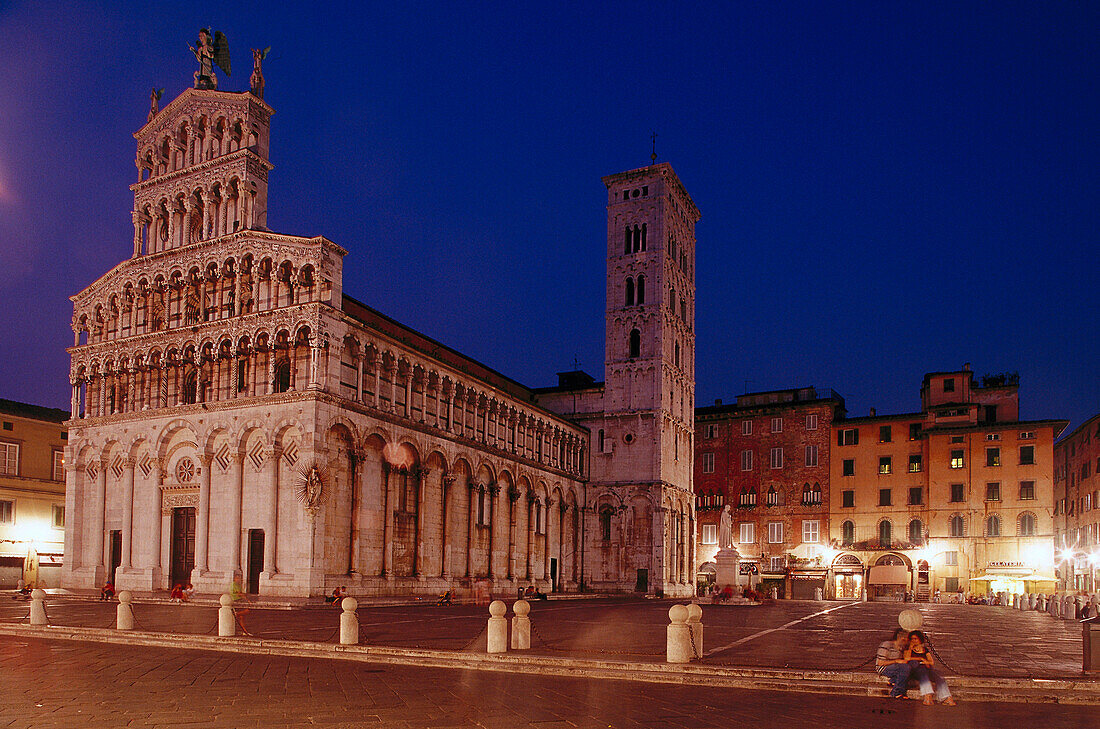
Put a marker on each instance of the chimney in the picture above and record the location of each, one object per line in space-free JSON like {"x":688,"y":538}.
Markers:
{"x":718,"y":401}
{"x":872,"y":412}
{"x":966,"y":366}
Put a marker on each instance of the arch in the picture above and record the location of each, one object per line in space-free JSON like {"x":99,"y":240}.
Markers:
{"x":916,"y":532}
{"x":1027,"y":524}
{"x":635,"y":344}
{"x":885,"y":533}
{"x":847,"y":560}
{"x":956,"y":525}
{"x":894,"y":558}
{"x":993,"y":525}
{"x":848,"y":533}
{"x":639,"y":290}
{"x":629,"y":291}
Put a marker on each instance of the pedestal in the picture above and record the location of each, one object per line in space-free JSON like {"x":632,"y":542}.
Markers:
{"x":727,"y":565}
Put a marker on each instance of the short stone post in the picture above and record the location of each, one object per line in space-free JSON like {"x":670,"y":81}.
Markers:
{"x":1004,"y":599}
{"x":349,"y":622}
{"x":775,"y":593}
{"x":1041,"y":603}
{"x":497,"y":635}
{"x":227,"y":623}
{"x":678,"y":643}
{"x":1068,"y":608}
{"x":38,"y":608}
{"x":124,"y":614}
{"x":521,"y":625}
{"x":1078,"y":606}
{"x":818,"y":594}
{"x":1032,"y":601}
{"x":695,"y":623}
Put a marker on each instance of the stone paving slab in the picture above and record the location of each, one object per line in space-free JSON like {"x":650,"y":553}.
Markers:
{"x":972,"y":640}
{"x":47,"y":683}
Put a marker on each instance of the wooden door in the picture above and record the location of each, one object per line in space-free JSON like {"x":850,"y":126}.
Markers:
{"x":116,"y":554}
{"x":255,"y":559}
{"x":183,"y":545}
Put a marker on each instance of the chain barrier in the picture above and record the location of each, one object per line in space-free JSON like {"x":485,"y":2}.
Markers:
{"x":939,"y":658}
{"x":691,"y":636}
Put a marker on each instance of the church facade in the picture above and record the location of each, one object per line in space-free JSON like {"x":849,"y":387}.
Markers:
{"x":237,"y":417}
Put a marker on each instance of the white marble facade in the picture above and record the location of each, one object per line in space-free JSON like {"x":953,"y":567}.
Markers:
{"x":235,"y":416}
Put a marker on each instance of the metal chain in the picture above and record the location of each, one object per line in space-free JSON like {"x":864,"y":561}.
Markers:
{"x":691,"y":636}
{"x":939,"y":658}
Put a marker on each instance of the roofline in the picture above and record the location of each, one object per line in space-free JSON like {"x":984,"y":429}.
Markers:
{"x":1080,"y":427}
{"x":734,"y":407}
{"x":30,"y":411}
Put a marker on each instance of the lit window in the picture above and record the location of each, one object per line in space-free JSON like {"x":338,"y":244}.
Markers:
{"x":748,"y":533}
{"x":993,"y":492}
{"x":58,"y":466}
{"x":775,"y":532}
{"x":1027,"y":491}
{"x":992,"y":457}
{"x":58,"y":516}
{"x":957,"y":460}
{"x":915,"y":463}
{"x":9,"y":459}
{"x":810,"y":531}
{"x":710,"y":534}
{"x":884,"y":465}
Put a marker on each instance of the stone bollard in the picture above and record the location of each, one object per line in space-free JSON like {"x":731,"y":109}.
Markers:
{"x":38,"y":608}
{"x":817,"y":594}
{"x":497,"y":636}
{"x":1003,"y":598}
{"x":678,"y":643}
{"x":1041,"y":603}
{"x":1078,"y":605}
{"x":774,"y":592}
{"x":1069,"y":606}
{"x":521,"y":625}
{"x":1033,"y":601}
{"x":349,"y":622}
{"x":1015,"y":601}
{"x":227,"y":623}
{"x":695,"y":623}
{"x":124,"y":614}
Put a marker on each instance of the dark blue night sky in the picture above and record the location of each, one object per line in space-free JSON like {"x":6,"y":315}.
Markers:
{"x":885,"y":190}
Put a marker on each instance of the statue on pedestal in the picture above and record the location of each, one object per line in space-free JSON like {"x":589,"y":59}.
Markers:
{"x":256,"y":81}
{"x":725,"y":528}
{"x":211,"y":51}
{"x":154,"y":102}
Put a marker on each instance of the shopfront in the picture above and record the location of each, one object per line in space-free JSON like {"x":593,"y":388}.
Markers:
{"x":847,"y":577}
{"x":806,"y":582}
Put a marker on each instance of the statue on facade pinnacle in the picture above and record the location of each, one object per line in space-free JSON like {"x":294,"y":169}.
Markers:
{"x":154,"y":102}
{"x":211,"y":51}
{"x":256,"y":81}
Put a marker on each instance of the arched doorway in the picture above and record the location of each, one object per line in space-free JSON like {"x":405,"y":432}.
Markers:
{"x":847,"y":577}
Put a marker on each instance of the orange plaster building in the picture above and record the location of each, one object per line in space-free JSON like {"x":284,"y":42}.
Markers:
{"x":1077,"y":507}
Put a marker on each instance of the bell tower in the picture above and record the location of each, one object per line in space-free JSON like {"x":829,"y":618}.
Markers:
{"x":646,"y":443}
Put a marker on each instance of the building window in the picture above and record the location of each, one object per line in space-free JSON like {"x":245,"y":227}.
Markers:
{"x":915,"y":464}
{"x":629,"y":291}
{"x":916,"y":495}
{"x":993,"y":492}
{"x":884,"y":498}
{"x":58,"y":465}
{"x":710,"y":534}
{"x":605,"y":523}
{"x":772,"y":497}
{"x":957,"y":526}
{"x":847,"y":533}
{"x":1027,"y":455}
{"x":949,"y":384}
{"x":847,"y":436}
{"x":746,"y":460}
{"x":708,"y":463}
{"x":9,"y":459}
{"x":775,"y":532}
{"x":951,"y":559}
{"x":884,"y":433}
{"x":748,"y":532}
{"x":58,"y":516}
{"x":884,"y":465}
{"x":992,"y":436}
{"x":777,"y":458}
{"x":914,"y":431}
{"x":811,"y":455}
{"x":916,"y":532}
{"x":810,"y":531}
{"x":640,"y":298}
{"x":1027,"y":435}
{"x":958,"y":439}
{"x":777,"y":564}
{"x":777,"y":425}
{"x":885,"y":534}
{"x":811,"y":421}
{"x":1027,"y":525}
{"x":848,"y":499}
{"x":993,"y":526}
{"x":992,"y":456}
{"x":957,"y":460}
{"x":957,"y":492}
{"x":748,"y":497}
{"x":7,"y":512}
{"x":635,"y":344}
{"x":712,"y":431}
{"x":746,"y":427}
{"x":848,"y":467}
{"x":1027,"y":491}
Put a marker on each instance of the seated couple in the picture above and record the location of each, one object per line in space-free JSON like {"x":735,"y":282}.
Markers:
{"x":907,"y":656}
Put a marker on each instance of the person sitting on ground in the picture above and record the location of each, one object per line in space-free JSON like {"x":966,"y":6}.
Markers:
{"x":107,"y":592}
{"x":447,"y":598}
{"x":188,"y":591}
{"x":890,"y":662}
{"x":337,"y":595}
{"x":177,"y":593}
{"x":532,"y":592}
{"x":922,"y":668}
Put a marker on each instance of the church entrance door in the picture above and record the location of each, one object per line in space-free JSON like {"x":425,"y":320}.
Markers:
{"x":183,"y":545}
{"x":116,"y":554}
{"x":642,"y":583}
{"x":255,"y":559}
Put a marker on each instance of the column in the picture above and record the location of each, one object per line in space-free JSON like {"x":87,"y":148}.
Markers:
{"x":188,"y":207}
{"x":377,"y":381}
{"x":270,"y":370}
{"x":513,"y":497}
{"x":356,"y":504}
{"x":421,"y":476}
{"x":359,"y":379}
{"x":546,"y":552}
{"x":74,"y":402}
{"x":154,"y":517}
{"x":387,"y":524}
{"x":272,"y":523}
{"x":101,"y":409}
{"x":233,"y":521}
{"x":100,"y":508}
{"x":136,"y":217}
{"x":562,"y":508}
{"x":127,"y":512}
{"x":409,"y":393}
{"x":471,"y":520}
{"x":207,"y":201}
{"x":314,"y":361}
{"x":202,"y":518}
{"x":131,"y":381}
{"x":531,"y":506}
{"x":494,"y":490}
{"x":445,"y":487}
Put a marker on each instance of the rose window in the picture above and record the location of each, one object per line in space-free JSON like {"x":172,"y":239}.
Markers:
{"x":185,"y":470}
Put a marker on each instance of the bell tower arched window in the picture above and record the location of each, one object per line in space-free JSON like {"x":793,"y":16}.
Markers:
{"x":640,"y":291}
{"x":629,"y":291}
{"x":635,"y":344}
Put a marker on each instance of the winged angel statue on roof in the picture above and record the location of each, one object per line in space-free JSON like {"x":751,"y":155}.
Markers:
{"x":211,"y":51}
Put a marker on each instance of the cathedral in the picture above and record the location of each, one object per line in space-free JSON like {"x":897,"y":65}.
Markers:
{"x":237,"y":417}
